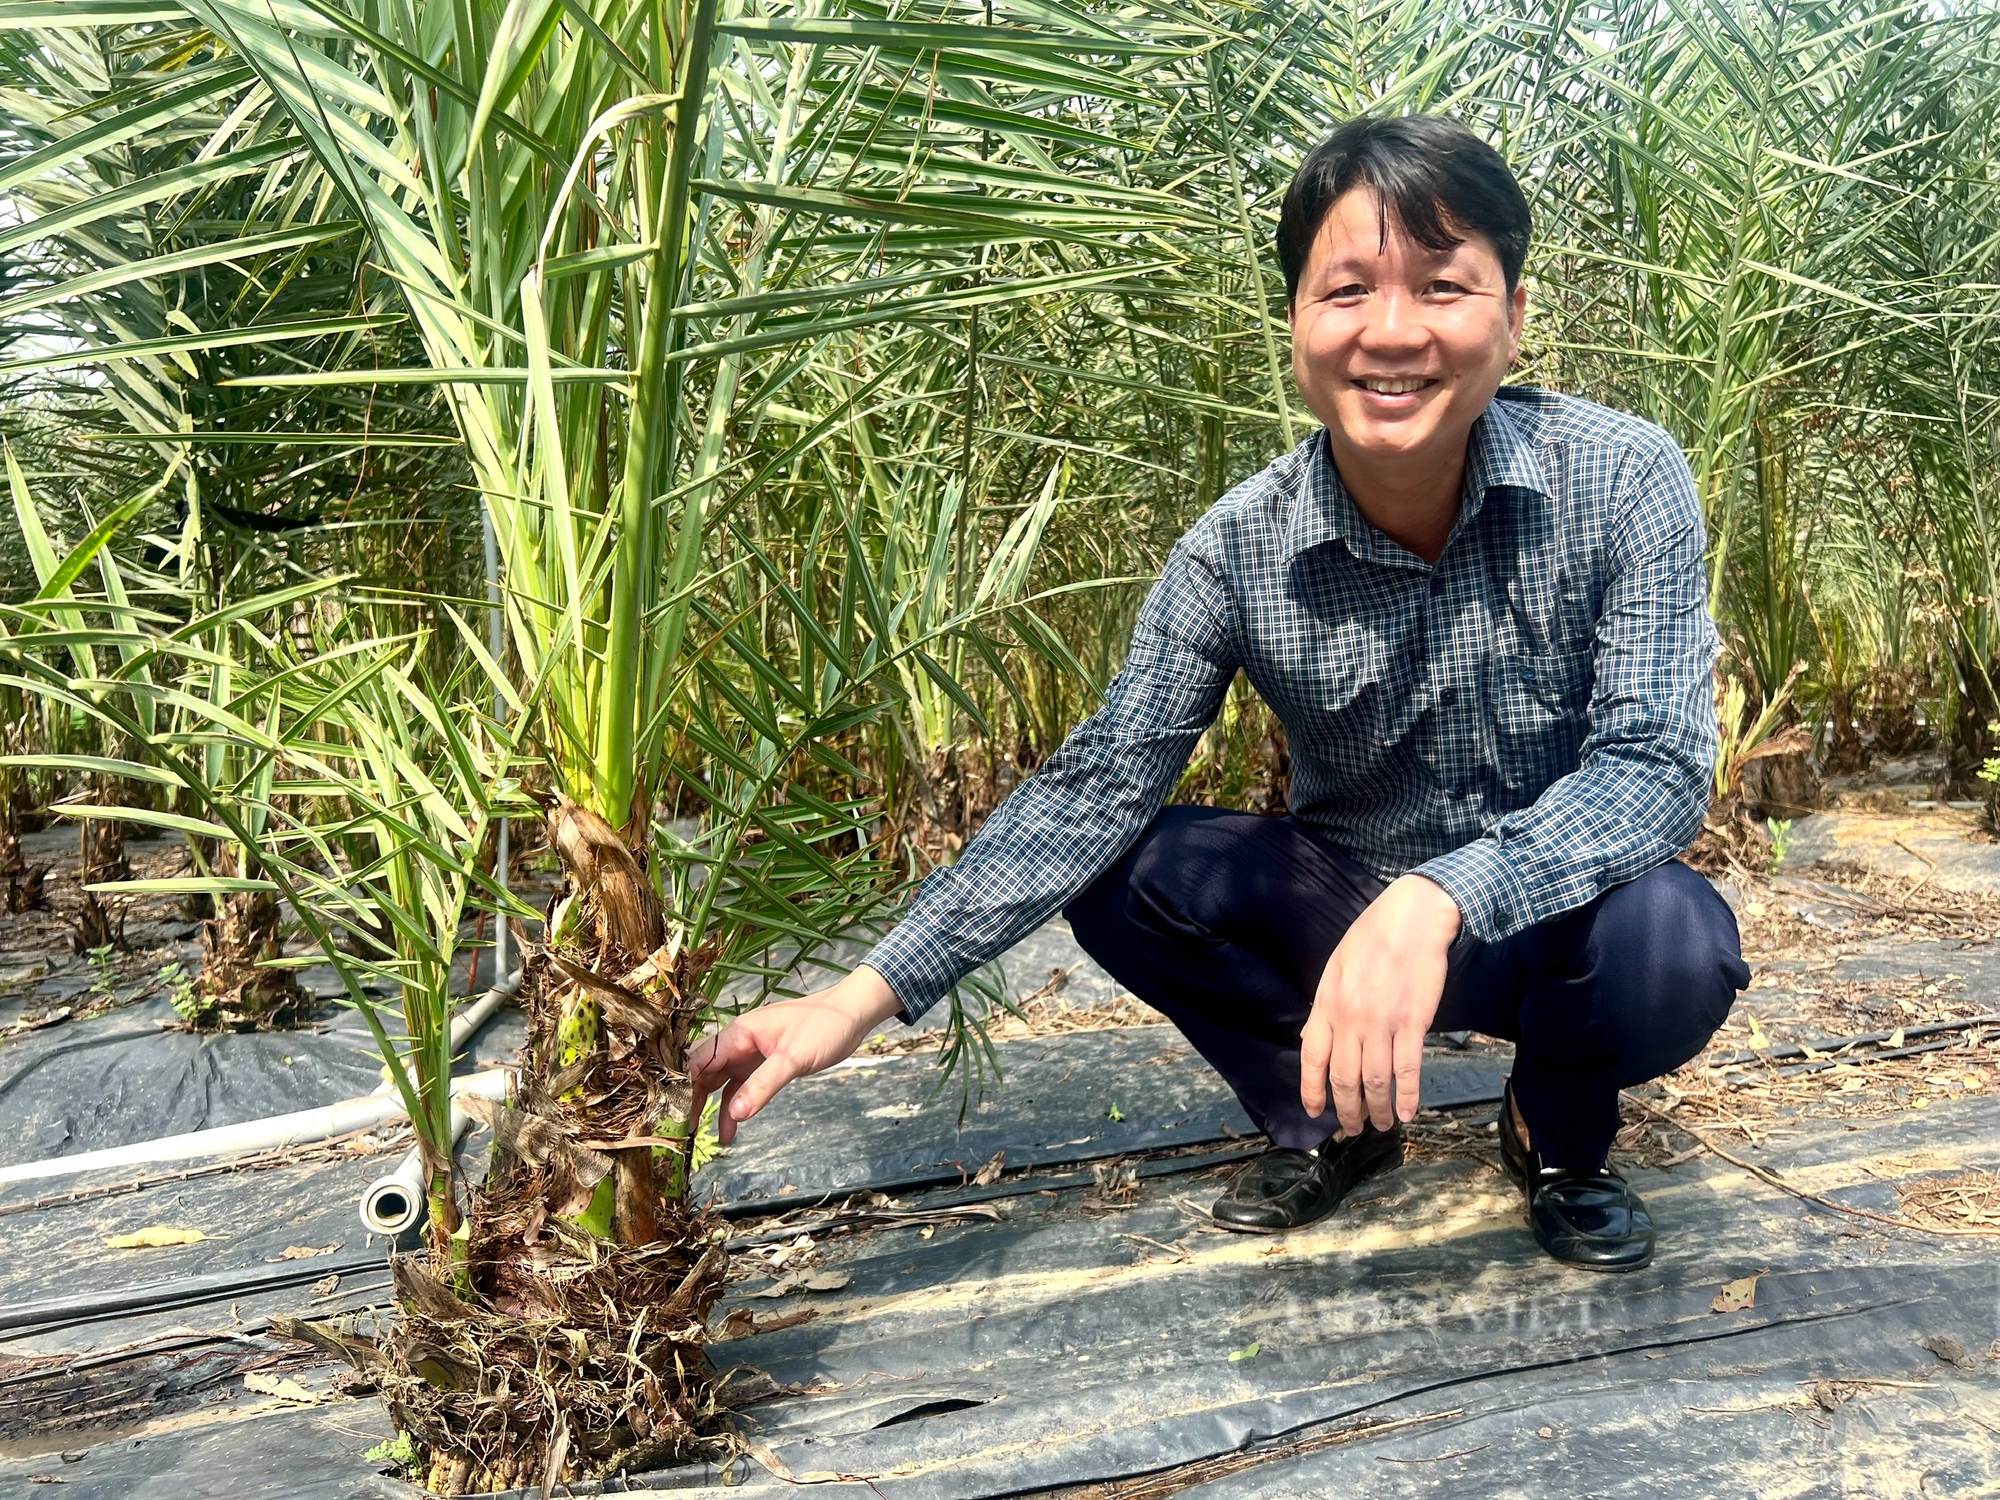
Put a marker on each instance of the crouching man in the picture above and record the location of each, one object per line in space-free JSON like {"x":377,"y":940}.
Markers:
{"x":1480,"y":613}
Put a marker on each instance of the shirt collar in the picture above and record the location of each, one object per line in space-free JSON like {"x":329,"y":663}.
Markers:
{"x":1498,"y":456}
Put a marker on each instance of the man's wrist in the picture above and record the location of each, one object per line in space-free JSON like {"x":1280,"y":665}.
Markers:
{"x":868,"y":996}
{"x":1439,"y":911}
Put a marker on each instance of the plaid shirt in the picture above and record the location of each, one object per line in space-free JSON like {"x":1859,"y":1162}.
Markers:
{"x":1527,"y":723}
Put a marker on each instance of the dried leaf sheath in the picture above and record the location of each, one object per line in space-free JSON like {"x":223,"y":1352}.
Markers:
{"x":589,"y":1347}
{"x":488,"y":1392}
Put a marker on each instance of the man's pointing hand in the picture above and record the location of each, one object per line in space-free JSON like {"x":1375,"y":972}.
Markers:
{"x":1376,"y":999}
{"x":762,"y":1050}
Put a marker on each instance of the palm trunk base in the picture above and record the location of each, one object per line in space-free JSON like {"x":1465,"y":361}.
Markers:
{"x":589,"y":1353}
{"x":1732,"y":844}
{"x":26,"y":891}
{"x":100,"y":923}
{"x":97,"y":924}
{"x":12,"y":863}
{"x":586,"y":1330}
{"x":235,"y":991}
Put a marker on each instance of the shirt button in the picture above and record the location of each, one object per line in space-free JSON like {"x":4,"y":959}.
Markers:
{"x":1437,"y":583}
{"x":1448,"y":697}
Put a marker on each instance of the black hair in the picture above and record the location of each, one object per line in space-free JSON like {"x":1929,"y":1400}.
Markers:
{"x":1439,"y":180}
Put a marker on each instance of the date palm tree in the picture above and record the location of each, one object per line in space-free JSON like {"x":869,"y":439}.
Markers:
{"x":831,"y":379}
{"x":622,"y":236}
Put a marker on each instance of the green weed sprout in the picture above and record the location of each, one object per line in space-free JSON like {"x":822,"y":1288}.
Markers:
{"x":181,"y":992}
{"x":103,"y":973}
{"x":398,"y":1450}
{"x":1780,"y":830}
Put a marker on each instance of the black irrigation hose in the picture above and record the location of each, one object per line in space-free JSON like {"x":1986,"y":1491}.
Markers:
{"x":938,"y":1177}
{"x":1836,"y":1043}
{"x":1011,"y":1187}
{"x":1823,"y":1063}
{"x":1027,"y":1182}
{"x":1006,"y":1187}
{"x":48,"y":1313}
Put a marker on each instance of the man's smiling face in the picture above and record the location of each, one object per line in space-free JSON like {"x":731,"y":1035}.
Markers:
{"x":1396,"y":347}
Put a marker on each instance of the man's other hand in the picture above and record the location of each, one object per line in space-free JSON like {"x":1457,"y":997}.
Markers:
{"x":1376,"y":999}
{"x":762,"y":1050}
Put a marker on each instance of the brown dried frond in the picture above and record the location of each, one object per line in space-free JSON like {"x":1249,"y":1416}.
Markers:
{"x":1731,"y":844}
{"x":1964,"y":1200}
{"x":573,"y":1357}
{"x":532,"y":1351}
{"x":606,"y":876}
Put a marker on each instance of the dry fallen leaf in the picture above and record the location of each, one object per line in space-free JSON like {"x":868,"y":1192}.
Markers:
{"x":276,"y":1385}
{"x":1736,"y":1295}
{"x":1950,"y":1350}
{"x":990,"y":1173}
{"x":326,"y":1286}
{"x":741,"y":1322}
{"x":772,"y":1462}
{"x":154,"y":1237}
{"x":307,"y":1252}
{"x":783,"y":1471}
{"x":1759,"y":1042}
{"x":805,"y":1281}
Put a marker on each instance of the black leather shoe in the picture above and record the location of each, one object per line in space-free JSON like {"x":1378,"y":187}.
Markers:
{"x":1284,"y":1188}
{"x":1588,"y":1219}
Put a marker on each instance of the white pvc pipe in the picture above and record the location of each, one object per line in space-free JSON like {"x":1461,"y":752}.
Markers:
{"x":301,"y":1128}
{"x":397,"y":1201}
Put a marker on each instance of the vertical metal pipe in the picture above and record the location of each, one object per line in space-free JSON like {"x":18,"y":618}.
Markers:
{"x":496,"y":645}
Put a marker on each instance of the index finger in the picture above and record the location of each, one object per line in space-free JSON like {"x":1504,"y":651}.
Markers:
{"x":1315,"y":1048}
{"x":756,"y":1091}
{"x":728,"y":1056}
{"x":722,"y":1056}
{"x":1409,"y":1063}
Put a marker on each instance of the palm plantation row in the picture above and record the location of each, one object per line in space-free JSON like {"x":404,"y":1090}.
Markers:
{"x":825,"y":382}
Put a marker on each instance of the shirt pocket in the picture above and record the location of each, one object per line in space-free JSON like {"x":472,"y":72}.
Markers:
{"x":1539,"y":714}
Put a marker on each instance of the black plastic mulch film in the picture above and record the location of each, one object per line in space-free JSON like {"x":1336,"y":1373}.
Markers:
{"x":1415,"y":1343}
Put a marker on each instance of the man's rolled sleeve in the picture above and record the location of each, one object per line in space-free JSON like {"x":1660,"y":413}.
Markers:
{"x":1065,"y":824}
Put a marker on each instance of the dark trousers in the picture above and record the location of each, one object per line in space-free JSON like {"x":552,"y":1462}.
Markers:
{"x":1223,"y":921}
